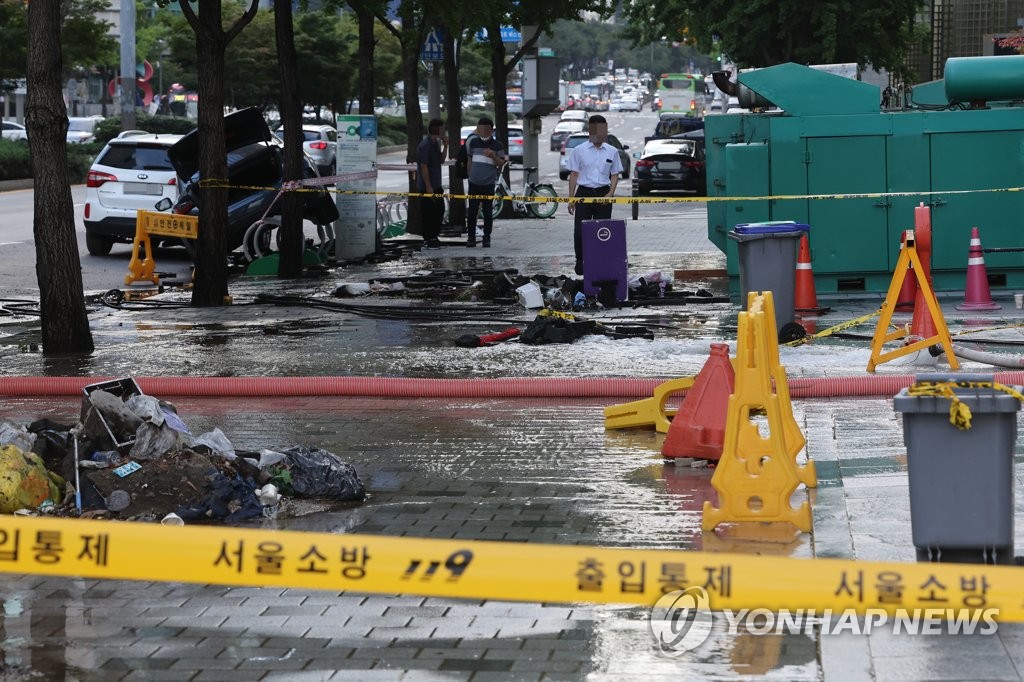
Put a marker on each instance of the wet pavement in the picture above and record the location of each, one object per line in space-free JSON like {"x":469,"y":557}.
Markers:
{"x":522,"y":470}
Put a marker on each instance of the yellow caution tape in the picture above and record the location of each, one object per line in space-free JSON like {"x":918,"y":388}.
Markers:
{"x":549,"y":312}
{"x":842,"y":326}
{"x":492,"y":570}
{"x":220,"y":183}
{"x":959,"y":414}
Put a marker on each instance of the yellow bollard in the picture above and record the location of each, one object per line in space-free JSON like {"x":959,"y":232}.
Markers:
{"x":757,"y":475}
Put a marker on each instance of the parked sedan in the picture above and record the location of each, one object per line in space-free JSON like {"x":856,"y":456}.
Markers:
{"x":674,"y":164}
{"x":576,"y":139}
{"x":13,"y":131}
{"x":515,"y":145}
{"x":564,"y":129}
{"x":320,"y":143}
{"x":82,"y":130}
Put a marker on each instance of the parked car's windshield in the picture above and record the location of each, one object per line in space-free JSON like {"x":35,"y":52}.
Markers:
{"x":136,"y":157}
{"x":82,"y":125}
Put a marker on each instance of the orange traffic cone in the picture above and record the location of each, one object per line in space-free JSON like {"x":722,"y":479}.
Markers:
{"x":810,"y":324}
{"x":922,"y":325}
{"x":806,"y":298}
{"x":977,"y":295}
{"x":698,"y":428}
{"x":908,"y":293}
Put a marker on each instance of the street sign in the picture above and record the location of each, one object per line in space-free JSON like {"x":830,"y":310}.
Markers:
{"x":433,"y":48}
{"x":509,"y":34}
{"x":545,"y":52}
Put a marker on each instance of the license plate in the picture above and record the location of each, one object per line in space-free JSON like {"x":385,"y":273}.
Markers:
{"x":143,"y":188}
{"x":669,"y":165}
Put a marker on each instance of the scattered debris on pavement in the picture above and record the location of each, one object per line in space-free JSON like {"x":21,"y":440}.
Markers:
{"x":131,"y":456}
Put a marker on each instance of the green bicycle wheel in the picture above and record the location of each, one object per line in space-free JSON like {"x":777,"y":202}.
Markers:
{"x":542,"y":209}
{"x":498,"y":203}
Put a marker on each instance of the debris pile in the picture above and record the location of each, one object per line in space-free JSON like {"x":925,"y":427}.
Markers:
{"x":131,"y":456}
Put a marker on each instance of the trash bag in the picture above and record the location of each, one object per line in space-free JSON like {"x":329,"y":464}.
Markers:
{"x":153,"y":442}
{"x":551,"y":329}
{"x":147,"y":408}
{"x":19,"y":437}
{"x":320,"y":474}
{"x":216,"y":442}
{"x":24,"y":481}
{"x":123,"y":423}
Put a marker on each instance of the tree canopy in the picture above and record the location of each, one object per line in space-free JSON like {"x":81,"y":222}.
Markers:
{"x":768,"y":32}
{"x":84,"y":41}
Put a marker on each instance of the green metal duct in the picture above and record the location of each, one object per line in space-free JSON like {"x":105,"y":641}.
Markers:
{"x":970,"y":79}
{"x":803,"y":91}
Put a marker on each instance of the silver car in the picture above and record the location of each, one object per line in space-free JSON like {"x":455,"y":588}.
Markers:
{"x":13,"y":131}
{"x":321,"y":144}
{"x":515,"y":145}
{"x":82,"y":130}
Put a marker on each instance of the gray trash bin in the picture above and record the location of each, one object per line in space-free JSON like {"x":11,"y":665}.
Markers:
{"x":767,"y":255}
{"x":961,"y":481}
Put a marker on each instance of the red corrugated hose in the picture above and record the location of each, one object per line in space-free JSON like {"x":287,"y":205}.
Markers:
{"x":399,"y":387}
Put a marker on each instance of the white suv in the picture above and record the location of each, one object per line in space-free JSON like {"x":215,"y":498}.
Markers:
{"x":131,"y":173}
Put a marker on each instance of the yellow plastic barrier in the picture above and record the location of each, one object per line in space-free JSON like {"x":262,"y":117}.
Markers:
{"x":756,"y":476}
{"x":649,"y":411}
{"x":162,"y":225}
{"x":490,"y":570}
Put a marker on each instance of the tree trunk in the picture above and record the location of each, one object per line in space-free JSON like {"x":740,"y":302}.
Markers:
{"x":412,"y":38}
{"x":65,"y":322}
{"x":211,"y":278}
{"x":367,"y":44}
{"x":499,"y":74}
{"x":456,"y":209}
{"x":290,"y":264}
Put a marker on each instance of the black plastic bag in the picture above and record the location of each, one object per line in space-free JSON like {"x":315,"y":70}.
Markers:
{"x":320,"y":474}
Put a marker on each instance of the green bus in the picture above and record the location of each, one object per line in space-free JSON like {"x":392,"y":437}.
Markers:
{"x":682,"y":93}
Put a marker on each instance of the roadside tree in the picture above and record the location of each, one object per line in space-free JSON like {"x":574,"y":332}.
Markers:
{"x":211,"y":278}
{"x":65,"y":323}
{"x":879,"y":32}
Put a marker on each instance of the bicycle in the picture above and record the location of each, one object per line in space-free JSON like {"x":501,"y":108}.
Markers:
{"x":538,"y":209}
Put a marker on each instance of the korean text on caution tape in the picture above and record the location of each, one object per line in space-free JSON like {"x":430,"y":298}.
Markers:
{"x":491,"y":570}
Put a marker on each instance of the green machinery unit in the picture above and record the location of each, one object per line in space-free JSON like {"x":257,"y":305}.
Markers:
{"x":956,"y":145}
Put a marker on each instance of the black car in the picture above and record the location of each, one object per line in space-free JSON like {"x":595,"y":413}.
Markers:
{"x":673,"y":123}
{"x":255,"y":160}
{"x":673,"y":164}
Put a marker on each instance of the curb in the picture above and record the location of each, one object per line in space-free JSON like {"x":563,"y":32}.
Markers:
{"x":12,"y":185}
